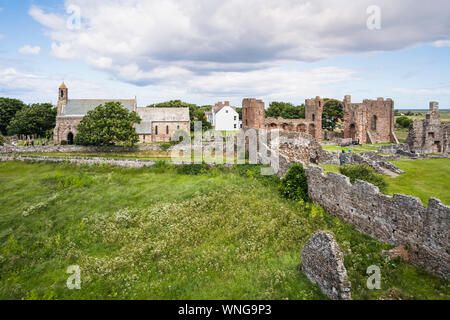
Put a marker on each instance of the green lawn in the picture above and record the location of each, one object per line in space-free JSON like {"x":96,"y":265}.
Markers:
{"x":445,"y":115}
{"x":423,"y":179}
{"x":160,"y":233}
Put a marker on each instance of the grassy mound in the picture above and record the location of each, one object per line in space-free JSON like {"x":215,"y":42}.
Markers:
{"x":161,"y":233}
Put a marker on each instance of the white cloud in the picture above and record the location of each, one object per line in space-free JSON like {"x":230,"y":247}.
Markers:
{"x":269,"y":84}
{"x":233,"y":46}
{"x":29,"y":50}
{"x":442,"y":43}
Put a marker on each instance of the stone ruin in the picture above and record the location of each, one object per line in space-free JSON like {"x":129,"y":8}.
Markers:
{"x":399,"y":220}
{"x":371,"y":121}
{"x":430,"y":135}
{"x":323,"y":263}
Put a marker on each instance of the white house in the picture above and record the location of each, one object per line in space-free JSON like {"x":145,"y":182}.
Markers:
{"x":223,"y":117}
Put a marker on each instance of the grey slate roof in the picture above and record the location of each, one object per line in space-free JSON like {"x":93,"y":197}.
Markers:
{"x":79,"y":107}
{"x":149,"y":115}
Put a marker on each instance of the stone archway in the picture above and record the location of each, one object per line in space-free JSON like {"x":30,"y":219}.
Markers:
{"x":273,"y":126}
{"x":312,"y":130}
{"x":353,"y":131}
{"x":70,"y":137}
{"x":373,"y":123}
{"x":301,"y":128}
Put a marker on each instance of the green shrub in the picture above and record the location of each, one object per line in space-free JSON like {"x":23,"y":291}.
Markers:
{"x":404,"y":122}
{"x":64,"y":143}
{"x":295,"y":185}
{"x":2,"y":140}
{"x":193,"y":169}
{"x":364,"y":172}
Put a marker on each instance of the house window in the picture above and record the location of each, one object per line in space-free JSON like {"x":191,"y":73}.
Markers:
{"x":235,"y":118}
{"x":167,"y":129}
{"x":235,"y":126}
{"x":156,"y":130}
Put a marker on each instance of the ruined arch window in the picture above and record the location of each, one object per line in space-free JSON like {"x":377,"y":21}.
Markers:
{"x":313,"y":117}
{"x":167,"y":129}
{"x":156,"y":130}
{"x":373,"y":123}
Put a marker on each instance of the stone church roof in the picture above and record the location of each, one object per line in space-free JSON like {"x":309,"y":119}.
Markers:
{"x":149,"y":115}
{"x":79,"y":107}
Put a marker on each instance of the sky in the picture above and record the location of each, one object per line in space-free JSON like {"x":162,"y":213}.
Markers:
{"x":205,"y":51}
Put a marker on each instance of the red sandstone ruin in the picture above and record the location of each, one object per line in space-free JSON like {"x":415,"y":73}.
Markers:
{"x":371,"y":121}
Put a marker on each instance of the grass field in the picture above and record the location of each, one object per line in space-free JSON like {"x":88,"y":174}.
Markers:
{"x":445,"y":115}
{"x":423,"y":179}
{"x":165,"y":233}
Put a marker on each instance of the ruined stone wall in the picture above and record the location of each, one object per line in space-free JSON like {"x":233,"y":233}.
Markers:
{"x":398,"y":220}
{"x":429,"y":135}
{"x":379,"y":121}
{"x":127,"y":163}
{"x":323,"y":264}
{"x":74,"y":148}
{"x":253,"y":113}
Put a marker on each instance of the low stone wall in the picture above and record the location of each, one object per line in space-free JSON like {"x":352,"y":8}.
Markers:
{"x":323,"y":264}
{"x":58,"y":148}
{"x":128,"y":163}
{"x":398,"y":220}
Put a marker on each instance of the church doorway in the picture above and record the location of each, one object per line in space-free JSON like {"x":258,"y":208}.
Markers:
{"x":353,"y":131}
{"x":70,"y":138}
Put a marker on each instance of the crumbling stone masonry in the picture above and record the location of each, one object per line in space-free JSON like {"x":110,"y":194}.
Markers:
{"x":371,"y":121}
{"x":429,"y":135}
{"x":398,"y":220}
{"x":323,"y":264}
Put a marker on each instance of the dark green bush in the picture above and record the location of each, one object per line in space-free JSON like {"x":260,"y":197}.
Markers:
{"x":364,"y":172}
{"x":295,"y":185}
{"x":63,"y":142}
{"x":2,"y":140}
{"x":193,"y":169}
{"x":404,"y":122}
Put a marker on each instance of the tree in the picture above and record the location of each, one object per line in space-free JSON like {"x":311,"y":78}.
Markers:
{"x":404,"y":122}
{"x":8,"y":109}
{"x":285,"y":110}
{"x":38,"y":118}
{"x":332,"y":113}
{"x":106,"y":125}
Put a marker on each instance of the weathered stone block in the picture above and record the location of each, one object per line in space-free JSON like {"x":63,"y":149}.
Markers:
{"x":323,"y":264}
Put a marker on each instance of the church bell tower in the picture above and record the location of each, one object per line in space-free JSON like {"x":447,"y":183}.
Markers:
{"x":63,"y":96}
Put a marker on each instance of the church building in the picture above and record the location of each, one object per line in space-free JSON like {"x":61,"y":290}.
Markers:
{"x":157,"y":125}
